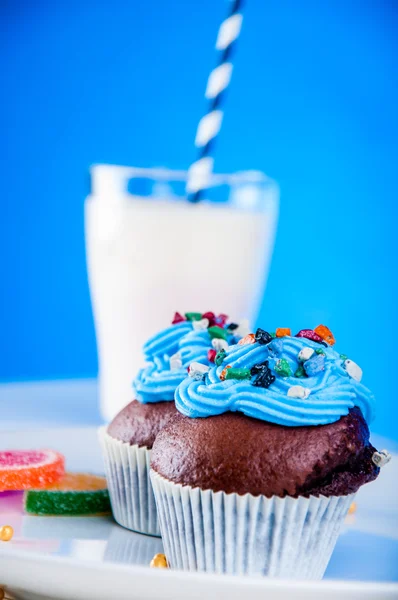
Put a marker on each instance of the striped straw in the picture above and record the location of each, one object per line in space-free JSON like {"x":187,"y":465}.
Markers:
{"x":210,"y":125}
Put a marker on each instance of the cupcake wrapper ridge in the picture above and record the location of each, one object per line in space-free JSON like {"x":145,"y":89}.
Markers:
{"x":228,"y":533}
{"x":130,"y":490}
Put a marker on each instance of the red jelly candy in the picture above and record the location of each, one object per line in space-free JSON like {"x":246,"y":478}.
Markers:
{"x":211,"y":318}
{"x":211,"y":355}
{"x":310,"y":335}
{"x":177,"y":318}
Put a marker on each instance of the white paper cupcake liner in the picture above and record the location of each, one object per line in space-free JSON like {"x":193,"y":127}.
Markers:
{"x":227,"y":533}
{"x":130,"y":490}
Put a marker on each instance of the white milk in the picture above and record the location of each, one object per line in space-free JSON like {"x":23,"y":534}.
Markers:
{"x":151,"y":256}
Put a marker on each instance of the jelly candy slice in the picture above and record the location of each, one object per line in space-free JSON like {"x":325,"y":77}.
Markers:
{"x":27,"y":469}
{"x":76,"y":494}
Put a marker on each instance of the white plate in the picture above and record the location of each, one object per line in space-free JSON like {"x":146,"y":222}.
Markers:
{"x":93,"y":558}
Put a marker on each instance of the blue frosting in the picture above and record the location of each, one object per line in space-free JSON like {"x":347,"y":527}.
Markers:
{"x":332,"y":391}
{"x":157,"y":382}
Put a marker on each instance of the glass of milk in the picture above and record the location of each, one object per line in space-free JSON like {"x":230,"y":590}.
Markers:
{"x":151,"y":255}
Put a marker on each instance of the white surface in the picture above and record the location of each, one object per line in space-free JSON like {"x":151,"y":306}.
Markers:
{"x":149,"y":257}
{"x":93,"y":558}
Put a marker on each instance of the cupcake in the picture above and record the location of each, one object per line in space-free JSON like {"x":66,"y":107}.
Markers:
{"x":257,"y":472}
{"x":191,"y":342}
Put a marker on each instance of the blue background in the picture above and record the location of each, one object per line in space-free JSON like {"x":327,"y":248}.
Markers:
{"x":312,"y":102}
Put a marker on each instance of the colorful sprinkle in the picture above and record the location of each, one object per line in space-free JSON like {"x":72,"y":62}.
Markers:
{"x":217,"y":332}
{"x":298,"y":391}
{"x":264,"y":377}
{"x":6,"y":533}
{"x":159,"y":561}
{"x":259,"y":368}
{"x":353,"y":369}
{"x":283,"y":332}
{"x":221,"y":354}
{"x":314,"y":365}
{"x":320,"y":351}
{"x":232,"y":326}
{"x":263,"y":337}
{"x":211,"y":318}
{"x":238,"y":374}
{"x":175,"y":361}
{"x":201,"y":325}
{"x":198,"y":370}
{"x":325,"y":333}
{"x":309,"y":334}
{"x":305,"y":354}
{"x":219,"y":344}
{"x":300,"y":373}
{"x":381,"y":458}
{"x":221,"y":320}
{"x":193,"y":316}
{"x":223,"y":373}
{"x":177,"y":318}
{"x":211,"y":355}
{"x":343,"y":356}
{"x":283,"y":368}
{"x":250,"y":338}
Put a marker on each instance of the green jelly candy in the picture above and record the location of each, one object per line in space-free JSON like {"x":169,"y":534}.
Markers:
{"x":193,"y":316}
{"x":282,"y":368}
{"x":217,"y":332}
{"x":221,"y":354}
{"x":300,"y":372}
{"x":238,"y":374}
{"x":319,"y":351}
{"x":343,"y":356}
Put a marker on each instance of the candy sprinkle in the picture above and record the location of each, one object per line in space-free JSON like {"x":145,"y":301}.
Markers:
{"x":300,"y":372}
{"x":210,"y":316}
{"x":353,"y":369}
{"x":193,"y":316}
{"x":219,"y":344}
{"x":6,"y":533}
{"x":211,"y":355}
{"x":325,"y":333}
{"x":239,"y":374}
{"x":305,"y":354}
{"x":197,"y":370}
{"x":282,"y":368}
{"x":298,"y":391}
{"x":177,"y":318}
{"x":159,"y":561}
{"x":320,"y":351}
{"x":200,"y":325}
{"x":263,"y":337}
{"x":381,"y":458}
{"x":282,"y":332}
{"x":221,"y":354}
{"x":217,"y":332}
{"x":314,"y":365}
{"x":264,"y":378}
{"x":250,"y":338}
{"x":310,"y":335}
{"x":223,"y":373}
{"x":232,"y":326}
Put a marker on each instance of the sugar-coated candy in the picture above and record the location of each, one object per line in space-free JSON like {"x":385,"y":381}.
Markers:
{"x":353,"y":369}
{"x":310,"y":335}
{"x":221,"y":354}
{"x":211,"y":355}
{"x":283,"y":368}
{"x":219,"y":344}
{"x":248,"y":339}
{"x":298,"y":391}
{"x":211,"y":318}
{"x":197,"y":370}
{"x":176,"y":361}
{"x":221,"y":319}
{"x":77,"y":494}
{"x":263,"y":337}
{"x":26,"y":469}
{"x":159,"y":561}
{"x":6,"y":533}
{"x":325,"y":333}
{"x":238,"y":374}
{"x":264,"y":377}
{"x":300,"y":372}
{"x":200,"y":325}
{"x":193,"y":316}
{"x":320,"y":351}
{"x":314,"y":365}
{"x":223,"y":373}
{"x":177,"y":318}
{"x":282,"y":332}
{"x":381,"y":458}
{"x":217,"y":332}
{"x":305,"y":353}
{"x":259,"y":367}
{"x":232,"y":326}
{"x":343,"y":356}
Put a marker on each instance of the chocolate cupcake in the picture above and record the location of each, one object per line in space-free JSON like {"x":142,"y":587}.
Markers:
{"x":128,"y":440}
{"x":262,"y":486}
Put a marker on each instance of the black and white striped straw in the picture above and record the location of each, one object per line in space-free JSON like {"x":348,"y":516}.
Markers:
{"x":210,"y":125}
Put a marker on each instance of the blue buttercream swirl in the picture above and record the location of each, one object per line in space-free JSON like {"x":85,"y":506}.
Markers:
{"x":157,"y":382}
{"x":332,"y":391}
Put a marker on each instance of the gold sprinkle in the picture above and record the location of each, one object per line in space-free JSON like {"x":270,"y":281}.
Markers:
{"x":159,"y":561}
{"x":353,"y":508}
{"x":6,"y":533}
